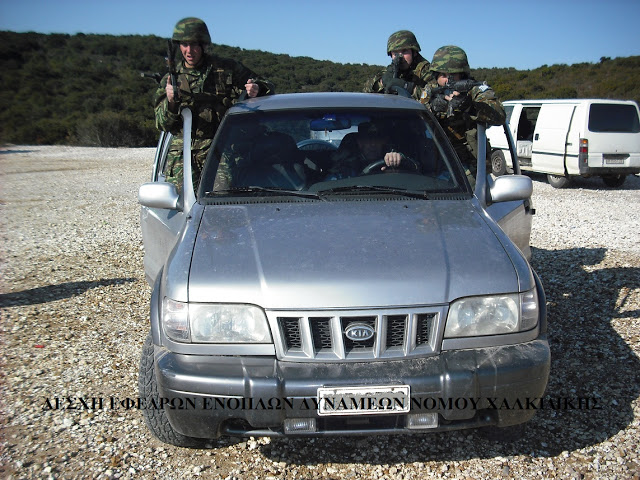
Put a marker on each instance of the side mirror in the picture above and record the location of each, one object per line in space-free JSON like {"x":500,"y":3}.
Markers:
{"x":159,"y":195}
{"x":509,"y":187}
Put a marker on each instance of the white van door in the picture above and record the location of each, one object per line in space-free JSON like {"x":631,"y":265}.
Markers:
{"x":550,"y":138}
{"x":614,"y":137}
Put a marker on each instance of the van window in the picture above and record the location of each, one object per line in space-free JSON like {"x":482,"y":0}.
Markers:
{"x":609,"y":117}
{"x":508,"y":109}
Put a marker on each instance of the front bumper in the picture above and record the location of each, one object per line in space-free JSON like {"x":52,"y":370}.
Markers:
{"x":209,"y":396}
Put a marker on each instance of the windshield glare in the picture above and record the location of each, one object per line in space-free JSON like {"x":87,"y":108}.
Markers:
{"x":324,"y":151}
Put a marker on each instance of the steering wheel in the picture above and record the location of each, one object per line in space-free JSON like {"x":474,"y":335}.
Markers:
{"x":315,"y":144}
{"x":413,"y":165}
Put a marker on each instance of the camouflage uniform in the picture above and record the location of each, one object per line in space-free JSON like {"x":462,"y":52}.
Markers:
{"x":208,"y":90}
{"x":459,"y":116}
{"x":416,"y":76}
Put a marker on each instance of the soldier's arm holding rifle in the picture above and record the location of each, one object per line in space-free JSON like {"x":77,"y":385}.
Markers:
{"x":172,"y":90}
{"x":167,"y":96}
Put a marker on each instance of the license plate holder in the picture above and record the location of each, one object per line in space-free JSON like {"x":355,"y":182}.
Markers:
{"x":615,"y":159}
{"x":369,"y":400}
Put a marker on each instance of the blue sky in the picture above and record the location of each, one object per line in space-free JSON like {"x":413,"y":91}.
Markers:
{"x":494,"y":33}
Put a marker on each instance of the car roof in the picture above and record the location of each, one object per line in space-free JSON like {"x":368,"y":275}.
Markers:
{"x":571,"y":101}
{"x":303,"y":101}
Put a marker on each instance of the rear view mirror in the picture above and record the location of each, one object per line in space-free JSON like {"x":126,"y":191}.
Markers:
{"x":330,"y":122}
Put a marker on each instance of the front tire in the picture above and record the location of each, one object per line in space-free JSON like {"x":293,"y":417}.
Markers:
{"x":558,"y":181}
{"x":156,"y":419}
{"x":498,"y":163}
{"x":614,"y":181}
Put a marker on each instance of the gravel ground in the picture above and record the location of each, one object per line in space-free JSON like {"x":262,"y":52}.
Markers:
{"x":74,"y":318}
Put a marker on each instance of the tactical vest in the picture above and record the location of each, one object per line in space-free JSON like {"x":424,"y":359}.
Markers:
{"x":197,"y":87}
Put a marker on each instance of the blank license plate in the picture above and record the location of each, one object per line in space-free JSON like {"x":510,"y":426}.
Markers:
{"x":372,"y":400}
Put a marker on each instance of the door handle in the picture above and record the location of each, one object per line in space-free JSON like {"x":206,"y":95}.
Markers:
{"x":537,"y":136}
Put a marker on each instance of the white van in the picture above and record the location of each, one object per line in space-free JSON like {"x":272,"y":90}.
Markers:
{"x":565,"y":138}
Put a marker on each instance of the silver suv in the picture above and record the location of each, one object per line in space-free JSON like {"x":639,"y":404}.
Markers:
{"x":305,"y":288}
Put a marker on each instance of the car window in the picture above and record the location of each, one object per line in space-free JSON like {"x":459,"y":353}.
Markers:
{"x":508,"y":110}
{"x":160,"y":161}
{"x":317,"y":151}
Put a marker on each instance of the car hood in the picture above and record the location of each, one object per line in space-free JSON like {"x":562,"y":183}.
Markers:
{"x":350,"y":254}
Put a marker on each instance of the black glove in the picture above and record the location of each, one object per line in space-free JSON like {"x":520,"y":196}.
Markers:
{"x":439,"y":104}
{"x":460,"y":103}
{"x":388,"y":81}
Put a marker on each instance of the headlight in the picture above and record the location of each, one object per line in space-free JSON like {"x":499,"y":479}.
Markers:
{"x":492,"y":315}
{"x":213,"y":323}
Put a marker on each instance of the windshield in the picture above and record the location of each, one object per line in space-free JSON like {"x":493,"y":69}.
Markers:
{"x":316,"y":152}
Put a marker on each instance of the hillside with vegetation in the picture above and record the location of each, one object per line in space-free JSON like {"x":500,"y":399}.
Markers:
{"x":88,"y":89}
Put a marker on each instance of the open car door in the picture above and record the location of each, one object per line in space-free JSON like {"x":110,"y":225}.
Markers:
{"x":514,"y":217}
{"x":163,"y":210}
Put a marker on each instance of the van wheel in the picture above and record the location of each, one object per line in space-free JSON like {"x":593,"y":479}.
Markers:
{"x":613,"y":181}
{"x":156,"y":419}
{"x":498,"y":163}
{"x":558,"y":181}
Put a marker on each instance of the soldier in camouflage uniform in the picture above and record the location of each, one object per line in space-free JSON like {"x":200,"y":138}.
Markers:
{"x":412,"y":72}
{"x":208,"y":86}
{"x":459,"y":111}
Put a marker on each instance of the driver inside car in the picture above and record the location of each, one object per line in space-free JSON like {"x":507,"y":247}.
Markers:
{"x":358,"y":150}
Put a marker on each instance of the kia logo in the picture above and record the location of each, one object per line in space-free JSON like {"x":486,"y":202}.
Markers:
{"x":359,"y":332}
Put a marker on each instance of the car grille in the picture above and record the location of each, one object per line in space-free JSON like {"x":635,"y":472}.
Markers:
{"x":316,"y":336}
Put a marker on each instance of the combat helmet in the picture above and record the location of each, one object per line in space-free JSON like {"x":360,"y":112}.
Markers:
{"x":450,"y":59}
{"x":191,"y":29}
{"x":402,"y":39}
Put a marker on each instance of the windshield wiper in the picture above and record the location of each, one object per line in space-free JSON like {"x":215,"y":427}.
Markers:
{"x":255,"y":189}
{"x":376,"y":188}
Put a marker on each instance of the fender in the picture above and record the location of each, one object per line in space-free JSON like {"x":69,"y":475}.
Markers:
{"x":155,"y":307}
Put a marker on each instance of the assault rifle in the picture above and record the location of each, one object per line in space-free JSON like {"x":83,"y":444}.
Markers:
{"x":396,"y":64}
{"x":156,"y":76}
{"x":439,"y":102}
{"x":462,"y":86}
{"x":395,"y":69}
{"x":397,"y":89}
{"x":171,"y":63}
